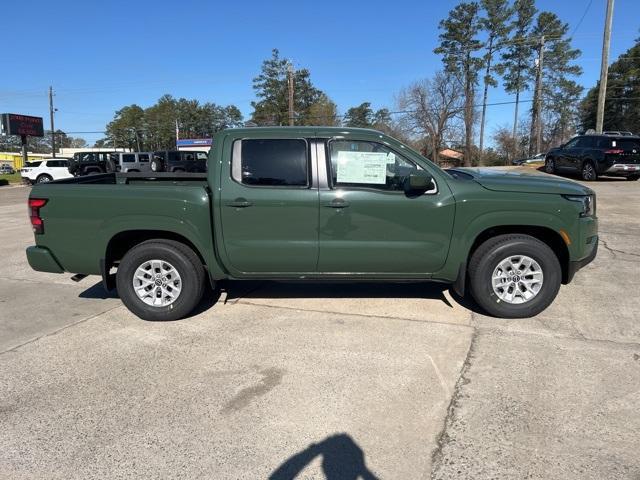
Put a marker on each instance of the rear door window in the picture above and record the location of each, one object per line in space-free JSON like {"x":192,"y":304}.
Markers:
{"x":271,"y":162}
{"x":143,"y":157}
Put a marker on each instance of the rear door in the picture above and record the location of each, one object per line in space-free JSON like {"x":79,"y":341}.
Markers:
{"x":581,"y":152}
{"x":143,"y":161}
{"x":269,"y":206}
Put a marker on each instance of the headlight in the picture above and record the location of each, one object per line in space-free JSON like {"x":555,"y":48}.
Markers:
{"x":588,"y":203}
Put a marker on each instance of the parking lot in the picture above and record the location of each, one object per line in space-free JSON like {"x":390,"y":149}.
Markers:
{"x":388,"y":381}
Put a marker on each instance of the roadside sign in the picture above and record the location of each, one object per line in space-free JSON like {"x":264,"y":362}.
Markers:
{"x":21,"y":125}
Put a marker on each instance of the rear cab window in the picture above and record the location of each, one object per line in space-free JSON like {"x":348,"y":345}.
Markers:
{"x":271,"y":162}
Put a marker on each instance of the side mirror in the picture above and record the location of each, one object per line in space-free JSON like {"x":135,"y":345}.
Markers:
{"x":417,"y":182}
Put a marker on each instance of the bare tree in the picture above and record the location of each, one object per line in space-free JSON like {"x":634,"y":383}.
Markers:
{"x":433,"y":106}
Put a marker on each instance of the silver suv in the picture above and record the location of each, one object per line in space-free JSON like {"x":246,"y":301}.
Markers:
{"x":131,"y":161}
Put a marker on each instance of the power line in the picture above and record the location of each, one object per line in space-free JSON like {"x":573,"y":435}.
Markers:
{"x":581,"y":19}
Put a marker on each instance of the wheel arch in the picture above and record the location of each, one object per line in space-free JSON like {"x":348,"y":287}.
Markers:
{"x":123,"y":241}
{"x":544,"y":234}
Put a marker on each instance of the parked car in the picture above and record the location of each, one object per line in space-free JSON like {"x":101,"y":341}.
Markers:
{"x":179,"y":161}
{"x":6,"y":169}
{"x":87,"y":163}
{"x":317,"y":203}
{"x":536,"y":158}
{"x":593,"y":155}
{"x":46,"y":170}
{"x":131,"y":161}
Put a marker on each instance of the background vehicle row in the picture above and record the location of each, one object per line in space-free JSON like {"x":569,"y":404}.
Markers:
{"x":87,"y":163}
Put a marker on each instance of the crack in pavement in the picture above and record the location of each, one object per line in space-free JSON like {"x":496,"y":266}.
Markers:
{"x":331,"y":312}
{"x":55,"y":332}
{"x":614,"y":251}
{"x":443,"y":437}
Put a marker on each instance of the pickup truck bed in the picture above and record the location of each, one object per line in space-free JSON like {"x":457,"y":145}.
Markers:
{"x":316,"y":203}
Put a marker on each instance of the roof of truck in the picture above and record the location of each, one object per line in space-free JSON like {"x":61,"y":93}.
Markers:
{"x":315,"y":130}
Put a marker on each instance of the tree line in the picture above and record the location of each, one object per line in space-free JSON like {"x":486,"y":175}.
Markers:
{"x":622,"y":97}
{"x":482,"y":44}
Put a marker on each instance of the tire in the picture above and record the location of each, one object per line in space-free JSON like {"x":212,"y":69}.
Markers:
{"x":488,"y":257}
{"x":44,"y":178}
{"x":110,"y":166}
{"x":189,"y":280}
{"x":550,"y":165}
{"x":633,"y":178}
{"x":588,"y":172}
{"x":157,"y":165}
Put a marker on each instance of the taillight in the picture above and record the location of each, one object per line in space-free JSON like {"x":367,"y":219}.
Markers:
{"x":35,"y":204}
{"x":614,"y":151}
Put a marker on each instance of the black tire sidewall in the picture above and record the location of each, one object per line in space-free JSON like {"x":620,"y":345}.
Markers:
{"x":482,"y":288}
{"x":192,"y":284}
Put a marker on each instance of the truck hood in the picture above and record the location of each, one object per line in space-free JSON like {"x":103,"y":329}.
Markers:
{"x":524,"y":180}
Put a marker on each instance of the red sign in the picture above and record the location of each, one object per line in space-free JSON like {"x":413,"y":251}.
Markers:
{"x":14,"y":124}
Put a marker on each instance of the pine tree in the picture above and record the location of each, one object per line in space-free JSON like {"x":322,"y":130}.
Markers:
{"x":622,"y":100}
{"x":272,"y":90}
{"x":459,"y":47}
{"x":559,"y":94}
{"x":517,"y":56}
{"x":497,"y":26}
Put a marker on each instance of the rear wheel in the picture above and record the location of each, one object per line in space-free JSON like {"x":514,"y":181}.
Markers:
{"x":160,"y":280}
{"x":550,"y":165}
{"x":588,"y":172}
{"x":514,"y":276}
{"x":44,"y":178}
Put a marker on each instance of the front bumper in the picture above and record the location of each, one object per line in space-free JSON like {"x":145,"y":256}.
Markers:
{"x":42,"y":260}
{"x":576,"y":265}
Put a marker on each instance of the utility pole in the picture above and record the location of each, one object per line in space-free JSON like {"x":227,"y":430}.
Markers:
{"x":53,"y":130}
{"x":291,"y":86}
{"x":538,"y":97}
{"x":604,"y":67}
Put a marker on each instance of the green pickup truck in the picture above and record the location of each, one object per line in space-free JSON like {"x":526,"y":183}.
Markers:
{"x":317,"y":203}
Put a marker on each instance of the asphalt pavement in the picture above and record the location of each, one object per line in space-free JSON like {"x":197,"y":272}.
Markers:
{"x":270,"y":380}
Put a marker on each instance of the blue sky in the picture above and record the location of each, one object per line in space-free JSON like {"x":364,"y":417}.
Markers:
{"x":100,"y":56}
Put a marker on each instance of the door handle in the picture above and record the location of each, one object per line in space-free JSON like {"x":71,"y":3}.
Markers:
{"x":239,"y":203}
{"x":337,"y":203}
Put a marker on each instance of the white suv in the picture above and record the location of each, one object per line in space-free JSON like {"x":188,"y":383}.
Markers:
{"x":46,"y":170}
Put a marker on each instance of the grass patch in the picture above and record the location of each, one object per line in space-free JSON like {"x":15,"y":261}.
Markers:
{"x":13,"y":178}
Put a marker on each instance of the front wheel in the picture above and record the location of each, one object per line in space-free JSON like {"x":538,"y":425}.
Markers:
{"x":157,"y":165}
{"x":550,"y":165}
{"x":633,"y":178}
{"x":514,"y":276}
{"x":160,"y":280}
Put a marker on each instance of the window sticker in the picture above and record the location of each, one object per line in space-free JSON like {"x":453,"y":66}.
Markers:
{"x":362,"y":167}
{"x":391,"y":157}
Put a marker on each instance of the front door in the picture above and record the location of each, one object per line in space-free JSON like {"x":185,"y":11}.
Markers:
{"x":367,"y":222}
{"x":568,"y":154}
{"x":269,"y":207}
